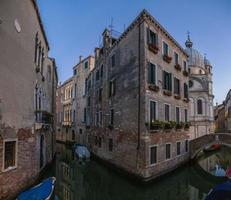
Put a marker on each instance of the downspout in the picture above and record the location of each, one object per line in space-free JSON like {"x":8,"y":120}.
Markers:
{"x":139,"y":79}
{"x":54,"y":115}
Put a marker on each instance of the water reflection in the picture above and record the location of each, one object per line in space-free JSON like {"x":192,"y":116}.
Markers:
{"x":95,"y":182}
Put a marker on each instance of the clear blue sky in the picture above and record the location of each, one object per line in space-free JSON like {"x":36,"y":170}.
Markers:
{"x":74,"y":27}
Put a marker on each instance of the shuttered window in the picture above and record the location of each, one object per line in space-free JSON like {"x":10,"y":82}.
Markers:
{"x":177,"y":114}
{"x":168,"y":151}
{"x":151,"y":73}
{"x":153,"y":155}
{"x":167,"y":81}
{"x":167,"y":112}
{"x":10,"y":154}
{"x":152,"y":111}
{"x":176,"y":86}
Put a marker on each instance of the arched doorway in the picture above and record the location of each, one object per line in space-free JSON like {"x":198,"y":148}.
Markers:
{"x":41,"y":151}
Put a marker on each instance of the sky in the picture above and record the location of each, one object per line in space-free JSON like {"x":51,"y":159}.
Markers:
{"x":74,"y":28}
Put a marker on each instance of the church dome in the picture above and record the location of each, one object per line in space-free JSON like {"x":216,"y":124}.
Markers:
{"x":207,"y":62}
{"x":195,"y":57}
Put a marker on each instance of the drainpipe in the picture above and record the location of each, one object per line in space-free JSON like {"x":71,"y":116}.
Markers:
{"x":139,"y":79}
{"x":54,"y":114}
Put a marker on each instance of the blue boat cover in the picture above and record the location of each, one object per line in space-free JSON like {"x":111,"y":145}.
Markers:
{"x":221,"y":191}
{"x":39,"y":192}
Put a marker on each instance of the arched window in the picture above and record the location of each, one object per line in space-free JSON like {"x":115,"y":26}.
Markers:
{"x":49,"y":73}
{"x":199,"y":107}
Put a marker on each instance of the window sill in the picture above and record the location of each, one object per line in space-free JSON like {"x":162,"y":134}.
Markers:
{"x":9,"y":169}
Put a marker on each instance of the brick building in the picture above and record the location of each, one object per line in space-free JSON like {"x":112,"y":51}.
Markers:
{"x":138,"y":110}
{"x":219,"y":118}
{"x":28,"y":80}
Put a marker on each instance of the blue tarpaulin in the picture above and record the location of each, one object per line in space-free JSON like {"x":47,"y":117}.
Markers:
{"x":42,"y":191}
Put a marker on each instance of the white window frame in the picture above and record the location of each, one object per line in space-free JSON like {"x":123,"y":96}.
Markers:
{"x":152,"y":164}
{"x":156,"y":67}
{"x":180,"y":148}
{"x":170,"y":118}
{"x":16,"y":155}
{"x":179,"y":113}
{"x":163,"y":41}
{"x":170,"y":151}
{"x":149,"y":113}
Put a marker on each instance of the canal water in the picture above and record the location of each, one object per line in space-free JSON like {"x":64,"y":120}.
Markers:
{"x":93,"y":181}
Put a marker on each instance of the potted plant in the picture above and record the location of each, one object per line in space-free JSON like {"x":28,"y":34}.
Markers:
{"x":153,"y":87}
{"x":167,"y":125}
{"x":186,"y":125}
{"x":167,"y":92}
{"x":167,"y":58}
{"x":156,"y":125}
{"x":178,"y":67}
{"x":153,"y":47}
{"x":179,"y":125}
{"x":177,"y":96}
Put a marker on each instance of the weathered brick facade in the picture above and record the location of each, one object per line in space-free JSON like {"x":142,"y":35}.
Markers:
{"x":119,"y":113}
{"x":28,"y":81}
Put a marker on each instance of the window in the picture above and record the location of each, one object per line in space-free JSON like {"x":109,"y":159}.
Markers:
{"x":74,"y":72}
{"x":80,"y":131}
{"x":176,"y":86}
{"x":113,"y":60}
{"x":112,"y":88}
{"x":100,"y":117}
{"x":152,"y":74}
{"x":74,"y":116}
{"x":84,"y":115}
{"x":186,"y":145}
{"x":167,"y":81}
{"x":89,"y":101}
{"x":86,"y":65}
{"x":96,"y":141}
{"x":152,"y":111}
{"x":85,"y":87}
{"x":165,"y":48}
{"x":49,"y":73}
{"x":177,"y":114}
{"x":185,"y":115}
{"x":101,"y":71}
{"x":9,"y":154}
{"x":73,"y":135}
{"x":178,"y":148}
{"x":153,"y":155}
{"x":199,"y":107}
{"x":185,"y":65}
{"x":100,"y":142}
{"x":97,"y":119}
{"x":97,"y":75}
{"x":110,"y":144}
{"x":36,"y":49}
{"x":75,"y":90}
{"x":100,"y":94}
{"x":152,"y":37}
{"x":168,"y":151}
{"x":167,"y":112}
{"x":111,"y":116}
{"x":185,"y":90}
{"x":176,"y":58}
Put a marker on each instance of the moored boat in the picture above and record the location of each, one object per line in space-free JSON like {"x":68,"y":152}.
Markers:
{"x":221,"y":191}
{"x":42,"y":191}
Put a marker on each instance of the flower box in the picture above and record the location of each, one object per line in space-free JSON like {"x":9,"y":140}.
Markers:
{"x":178,"y":67}
{"x":177,"y":96}
{"x":167,"y":58}
{"x":153,"y":87}
{"x":186,"y":100}
{"x":186,"y":125}
{"x":153,"y":48}
{"x":179,"y":125}
{"x":185,"y":73}
{"x":167,"y":93}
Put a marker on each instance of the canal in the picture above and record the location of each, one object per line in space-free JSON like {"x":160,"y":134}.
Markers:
{"x":93,"y":181}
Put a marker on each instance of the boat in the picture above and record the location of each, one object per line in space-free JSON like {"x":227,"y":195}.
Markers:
{"x":219,"y":192}
{"x":82,"y":152}
{"x":212,"y":147}
{"x":228,"y":172}
{"x":42,"y":191}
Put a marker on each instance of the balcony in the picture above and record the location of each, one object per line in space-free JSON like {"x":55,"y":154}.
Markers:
{"x":43,"y":117}
{"x":153,"y":48}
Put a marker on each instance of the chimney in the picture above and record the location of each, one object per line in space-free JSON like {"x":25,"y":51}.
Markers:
{"x":80,"y":58}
